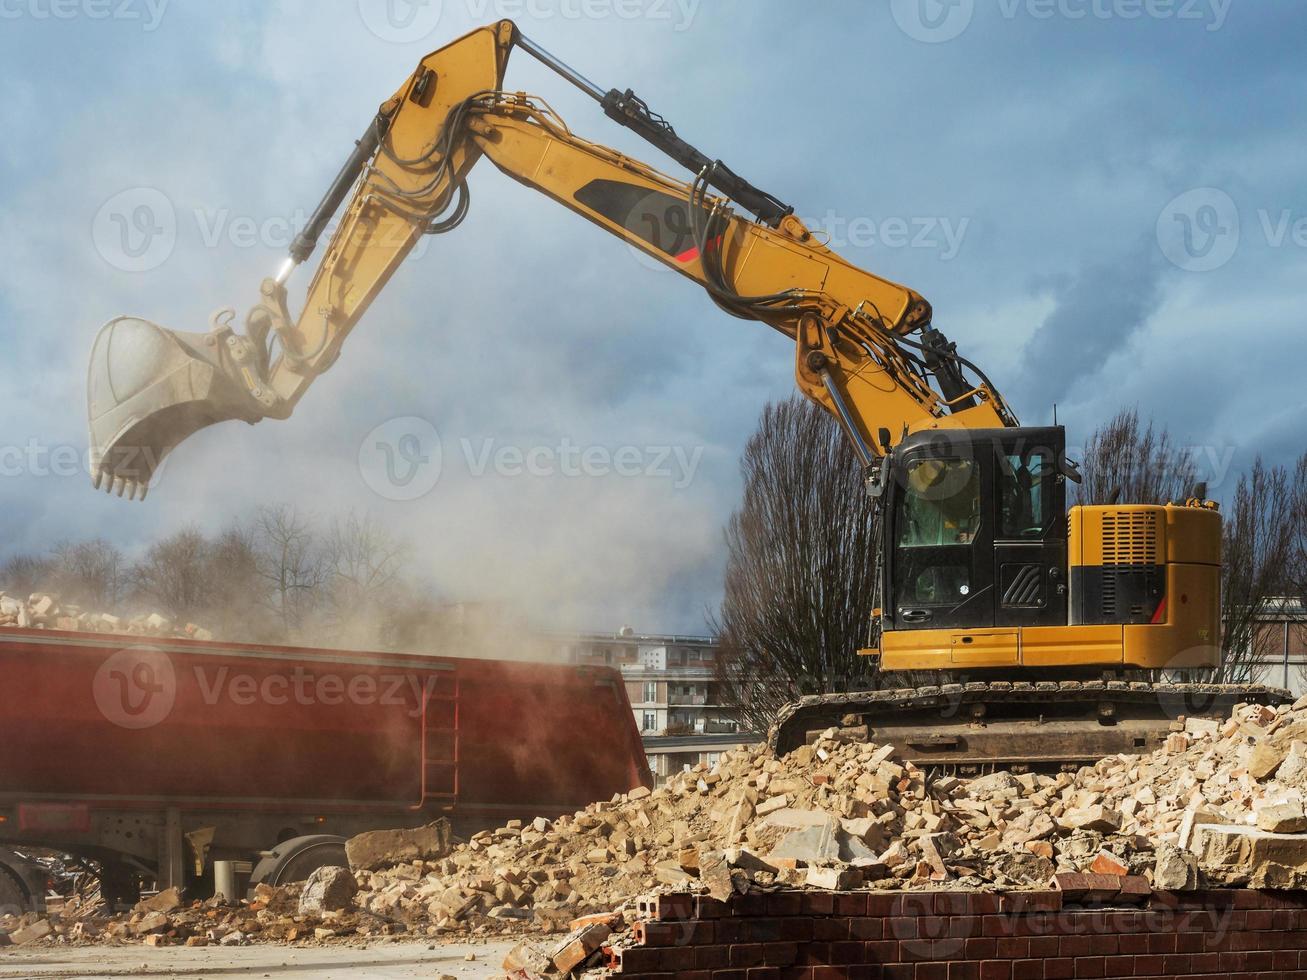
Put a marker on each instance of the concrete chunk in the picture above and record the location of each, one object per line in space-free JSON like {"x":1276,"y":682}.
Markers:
{"x":378,"y":849}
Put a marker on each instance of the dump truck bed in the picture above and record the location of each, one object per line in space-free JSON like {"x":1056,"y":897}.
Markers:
{"x":93,"y":720}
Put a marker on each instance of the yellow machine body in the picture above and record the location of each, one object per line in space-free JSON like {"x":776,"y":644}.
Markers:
{"x":1154,"y":570}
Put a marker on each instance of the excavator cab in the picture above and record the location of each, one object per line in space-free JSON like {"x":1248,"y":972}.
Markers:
{"x":976,"y":533}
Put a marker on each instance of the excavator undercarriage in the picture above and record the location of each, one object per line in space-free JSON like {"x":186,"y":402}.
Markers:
{"x":1023,"y":726}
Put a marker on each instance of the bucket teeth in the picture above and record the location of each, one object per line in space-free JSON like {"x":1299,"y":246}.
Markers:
{"x":111,"y":484}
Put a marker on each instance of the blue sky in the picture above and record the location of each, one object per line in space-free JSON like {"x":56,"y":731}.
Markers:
{"x":1103,"y":199}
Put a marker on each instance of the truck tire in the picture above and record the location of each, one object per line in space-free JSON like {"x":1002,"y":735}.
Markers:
{"x":299,"y":857}
{"x":14,"y":899}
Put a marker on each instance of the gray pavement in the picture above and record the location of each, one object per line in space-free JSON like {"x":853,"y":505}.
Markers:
{"x":382,"y":960}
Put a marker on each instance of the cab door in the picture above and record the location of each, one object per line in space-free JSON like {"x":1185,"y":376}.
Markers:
{"x":1030,"y":529}
{"x":940,"y":542}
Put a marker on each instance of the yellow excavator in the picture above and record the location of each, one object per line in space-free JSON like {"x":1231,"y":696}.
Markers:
{"x":1033,"y":619}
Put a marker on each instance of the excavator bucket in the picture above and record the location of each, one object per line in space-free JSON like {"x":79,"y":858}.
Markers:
{"x":148,"y":389}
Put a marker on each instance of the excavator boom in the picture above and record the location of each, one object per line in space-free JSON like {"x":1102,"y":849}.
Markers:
{"x":865,"y":347}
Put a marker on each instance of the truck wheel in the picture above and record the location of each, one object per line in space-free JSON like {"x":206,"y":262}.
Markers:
{"x":299,"y":857}
{"x":14,"y":899}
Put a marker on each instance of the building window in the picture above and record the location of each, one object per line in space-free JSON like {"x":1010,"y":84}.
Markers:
{"x":650,"y":692}
{"x":650,"y":721}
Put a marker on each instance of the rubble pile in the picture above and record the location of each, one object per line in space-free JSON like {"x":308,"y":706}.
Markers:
{"x":320,"y":909}
{"x":42,"y":610}
{"x":1221,"y":804}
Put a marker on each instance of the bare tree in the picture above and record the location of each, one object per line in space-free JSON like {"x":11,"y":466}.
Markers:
{"x":291,"y":564}
{"x":1261,"y":563}
{"x":1137,"y":465}
{"x":801,"y":559}
{"x":363,"y":562}
{"x":174,"y":574}
{"x":24,"y":574}
{"x":91,"y":573}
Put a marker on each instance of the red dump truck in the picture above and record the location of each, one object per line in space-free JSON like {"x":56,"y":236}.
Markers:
{"x":157,"y":757}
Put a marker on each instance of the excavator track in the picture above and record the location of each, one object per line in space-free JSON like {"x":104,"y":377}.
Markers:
{"x":1043,"y":726}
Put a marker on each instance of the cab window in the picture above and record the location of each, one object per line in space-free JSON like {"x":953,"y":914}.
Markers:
{"x":1024,"y":494}
{"x":942,"y":503}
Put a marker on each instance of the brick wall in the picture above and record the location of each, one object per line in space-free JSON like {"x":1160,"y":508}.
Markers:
{"x":959,"y":936}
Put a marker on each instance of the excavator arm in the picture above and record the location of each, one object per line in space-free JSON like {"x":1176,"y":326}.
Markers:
{"x":865,"y":348}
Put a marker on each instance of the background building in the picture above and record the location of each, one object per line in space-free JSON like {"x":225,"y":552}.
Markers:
{"x":670,"y":681}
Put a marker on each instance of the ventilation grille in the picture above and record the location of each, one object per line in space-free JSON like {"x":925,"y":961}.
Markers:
{"x":1130,"y":538}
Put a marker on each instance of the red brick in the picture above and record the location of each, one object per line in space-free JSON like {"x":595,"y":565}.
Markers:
{"x":785,"y":903}
{"x":931,"y":971}
{"x":1012,"y":949}
{"x":1028,"y":970}
{"x":886,"y":951}
{"x":712,"y":957}
{"x":1132,"y":944}
{"x":666,"y":907}
{"x":761,"y":931}
{"x":964,"y":971}
{"x":866,"y":929}
{"x":830,"y":930}
{"x":847,"y":952}
{"x":707,"y":907}
{"x":851,"y":904}
{"x":900,"y":927}
{"x":996,"y":970}
{"x":814,"y":954}
{"x":1089,"y":966}
{"x":1119,"y":966}
{"x":780,"y":954}
{"x":1024,"y":903}
{"x":797,"y":928}
{"x":1043,"y":946}
{"x":980,"y":949}
{"x":1059,"y":969}
{"x":819,"y":903}
{"x":746,"y":954}
{"x":1075,"y":946}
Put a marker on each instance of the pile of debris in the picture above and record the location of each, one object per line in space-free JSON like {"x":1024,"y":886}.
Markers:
{"x":42,"y":610}
{"x":1221,"y":804}
{"x":321,"y":909}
